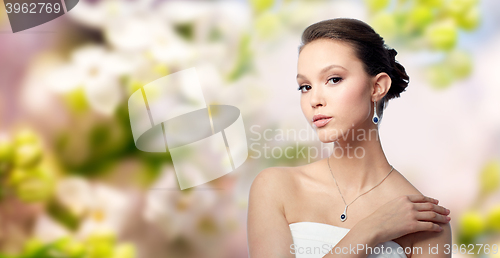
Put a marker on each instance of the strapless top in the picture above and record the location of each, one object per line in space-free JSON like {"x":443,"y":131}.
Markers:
{"x":315,"y":240}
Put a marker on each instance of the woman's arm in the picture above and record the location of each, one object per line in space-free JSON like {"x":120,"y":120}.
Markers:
{"x":268,"y":231}
{"x":269,"y":234}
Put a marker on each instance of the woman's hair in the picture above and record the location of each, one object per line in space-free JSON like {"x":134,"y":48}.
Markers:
{"x":369,"y":47}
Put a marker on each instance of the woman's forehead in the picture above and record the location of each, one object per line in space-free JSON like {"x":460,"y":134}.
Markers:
{"x":319,"y":54}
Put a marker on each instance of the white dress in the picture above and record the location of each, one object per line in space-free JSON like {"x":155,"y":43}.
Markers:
{"x":315,"y":240}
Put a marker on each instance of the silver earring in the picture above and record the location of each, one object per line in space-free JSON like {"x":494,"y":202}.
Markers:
{"x":375,"y":118}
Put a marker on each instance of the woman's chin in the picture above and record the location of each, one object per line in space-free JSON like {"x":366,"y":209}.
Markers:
{"x":327,"y":136}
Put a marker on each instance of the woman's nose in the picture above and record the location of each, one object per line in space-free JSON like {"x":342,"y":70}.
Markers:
{"x":317,"y":98}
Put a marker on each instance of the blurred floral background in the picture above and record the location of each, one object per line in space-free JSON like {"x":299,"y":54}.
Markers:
{"x":73,"y":183}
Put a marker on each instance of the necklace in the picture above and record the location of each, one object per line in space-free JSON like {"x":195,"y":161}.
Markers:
{"x":343,"y":216}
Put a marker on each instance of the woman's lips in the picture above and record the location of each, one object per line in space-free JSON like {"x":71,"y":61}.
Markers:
{"x":322,"y":122}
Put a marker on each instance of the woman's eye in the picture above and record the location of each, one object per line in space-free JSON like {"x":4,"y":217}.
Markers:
{"x":335,"y":80}
{"x":304,"y":88}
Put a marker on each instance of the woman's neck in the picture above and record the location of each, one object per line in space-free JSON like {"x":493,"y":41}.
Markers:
{"x":358,"y":165}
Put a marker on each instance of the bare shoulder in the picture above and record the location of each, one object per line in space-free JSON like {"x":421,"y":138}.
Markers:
{"x":423,"y":238}
{"x":267,"y":228}
{"x":274,"y":177}
{"x":285,"y":178}
{"x":274,"y":182}
{"x":401,"y":185}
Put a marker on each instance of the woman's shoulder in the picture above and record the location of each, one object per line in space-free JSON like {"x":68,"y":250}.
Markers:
{"x":421,"y":238}
{"x":280,"y":177}
{"x":271,"y":187}
{"x":279,"y":181}
{"x":276,"y":176}
{"x":401,"y":185}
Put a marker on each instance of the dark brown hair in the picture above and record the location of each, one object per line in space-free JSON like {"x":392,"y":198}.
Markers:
{"x":369,"y":47}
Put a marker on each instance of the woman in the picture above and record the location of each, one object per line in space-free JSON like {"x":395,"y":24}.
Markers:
{"x":353,"y":203}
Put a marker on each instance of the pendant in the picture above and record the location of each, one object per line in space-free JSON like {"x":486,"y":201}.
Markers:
{"x":343,"y":217}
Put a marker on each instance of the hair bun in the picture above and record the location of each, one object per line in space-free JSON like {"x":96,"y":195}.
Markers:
{"x":392,"y":53}
{"x":399,"y":77}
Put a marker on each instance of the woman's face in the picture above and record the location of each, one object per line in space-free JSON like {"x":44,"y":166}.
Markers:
{"x":333,"y":83}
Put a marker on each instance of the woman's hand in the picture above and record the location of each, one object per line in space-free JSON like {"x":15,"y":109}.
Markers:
{"x":405,"y":215}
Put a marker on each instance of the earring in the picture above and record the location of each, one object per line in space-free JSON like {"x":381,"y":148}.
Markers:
{"x":375,"y":118}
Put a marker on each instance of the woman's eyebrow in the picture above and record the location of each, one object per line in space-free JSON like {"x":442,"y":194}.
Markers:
{"x":323,"y":70}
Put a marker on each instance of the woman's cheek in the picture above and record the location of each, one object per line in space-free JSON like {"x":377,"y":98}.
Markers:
{"x":349,"y":110}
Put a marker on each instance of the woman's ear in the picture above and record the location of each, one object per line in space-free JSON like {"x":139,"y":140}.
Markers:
{"x":380,"y":86}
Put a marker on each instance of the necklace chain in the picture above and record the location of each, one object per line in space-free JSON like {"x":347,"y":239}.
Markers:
{"x":392,"y":168}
